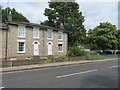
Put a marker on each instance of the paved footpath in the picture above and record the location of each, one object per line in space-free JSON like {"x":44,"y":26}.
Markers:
{"x":27,"y":67}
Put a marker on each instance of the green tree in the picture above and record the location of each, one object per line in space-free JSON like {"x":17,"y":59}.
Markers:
{"x":103,"y":37}
{"x":69,"y":14}
{"x":118,"y":38}
{"x":16,"y":16}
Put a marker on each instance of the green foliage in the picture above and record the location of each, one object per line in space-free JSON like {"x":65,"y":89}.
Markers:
{"x":77,"y":51}
{"x":49,"y":59}
{"x":69,"y":14}
{"x":94,"y":57}
{"x":103,"y":37}
{"x":118,"y":38}
{"x":16,"y":16}
{"x":66,"y":58}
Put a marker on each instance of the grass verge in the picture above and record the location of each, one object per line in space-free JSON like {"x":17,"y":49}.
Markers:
{"x":94,"y":57}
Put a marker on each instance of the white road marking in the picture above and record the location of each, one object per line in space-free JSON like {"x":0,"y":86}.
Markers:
{"x":114,"y":66}
{"x":67,"y":75}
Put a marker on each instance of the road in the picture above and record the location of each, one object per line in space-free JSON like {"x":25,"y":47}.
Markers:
{"x":103,"y":74}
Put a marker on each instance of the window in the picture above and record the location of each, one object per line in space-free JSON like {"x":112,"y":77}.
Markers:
{"x":21,"y":46}
{"x":35,"y":32}
{"x":60,"y":47}
{"x":21,"y":31}
{"x":60,"y":37}
{"x":49,"y":34}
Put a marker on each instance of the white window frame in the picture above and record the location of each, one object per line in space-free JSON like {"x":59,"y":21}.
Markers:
{"x":35,"y":28}
{"x":18,"y":46}
{"x":58,"y":46}
{"x":51,"y":35}
{"x":61,"y":35}
{"x":24,"y":31}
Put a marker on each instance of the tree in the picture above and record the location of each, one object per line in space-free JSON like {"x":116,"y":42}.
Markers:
{"x":118,"y":38}
{"x":103,"y":37}
{"x":16,"y":16}
{"x":67,"y":13}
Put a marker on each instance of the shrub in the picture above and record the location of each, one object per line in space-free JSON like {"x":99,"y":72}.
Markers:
{"x":49,"y":59}
{"x":66,"y":58}
{"x":77,"y":51}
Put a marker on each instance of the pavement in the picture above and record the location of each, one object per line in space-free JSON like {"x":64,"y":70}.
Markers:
{"x":98,"y":74}
{"x":35,"y":66}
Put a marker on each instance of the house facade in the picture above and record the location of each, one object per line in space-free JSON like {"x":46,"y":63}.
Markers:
{"x":20,"y":41}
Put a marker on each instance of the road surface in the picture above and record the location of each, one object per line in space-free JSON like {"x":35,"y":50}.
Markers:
{"x":103,"y":74}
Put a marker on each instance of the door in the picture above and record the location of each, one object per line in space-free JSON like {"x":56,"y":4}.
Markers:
{"x":49,"y":48}
{"x":36,"y":49}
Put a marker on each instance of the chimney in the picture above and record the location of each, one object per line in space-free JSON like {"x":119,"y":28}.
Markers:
{"x":61,"y":25}
{"x":10,"y":16}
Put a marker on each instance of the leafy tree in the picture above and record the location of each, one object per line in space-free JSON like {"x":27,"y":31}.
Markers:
{"x":69,"y":14}
{"x":16,"y":16}
{"x":103,"y":37}
{"x":118,"y":38}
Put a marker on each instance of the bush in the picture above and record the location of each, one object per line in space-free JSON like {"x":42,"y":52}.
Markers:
{"x":66,"y":58}
{"x":77,"y":51}
{"x":49,"y":59}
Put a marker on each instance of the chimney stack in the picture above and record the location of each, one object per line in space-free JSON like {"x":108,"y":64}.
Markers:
{"x":61,"y":25}
{"x":10,"y":16}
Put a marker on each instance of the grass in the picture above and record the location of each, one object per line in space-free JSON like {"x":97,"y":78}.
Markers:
{"x":88,"y":57}
{"x":94,"y":57}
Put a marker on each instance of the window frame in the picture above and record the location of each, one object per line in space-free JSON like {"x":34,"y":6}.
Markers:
{"x":62,"y":46}
{"x":36,"y":28}
{"x":23,"y":31}
{"x":61,"y":35}
{"x":18,"y":46}
{"x":51,"y":34}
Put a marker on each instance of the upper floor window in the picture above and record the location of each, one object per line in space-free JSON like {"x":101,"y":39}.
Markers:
{"x":21,"y":31}
{"x":60,"y":35}
{"x":35,"y":32}
{"x":49,"y":36}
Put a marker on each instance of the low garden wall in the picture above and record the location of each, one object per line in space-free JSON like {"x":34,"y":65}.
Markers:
{"x":51,"y":59}
{"x":18,"y":63}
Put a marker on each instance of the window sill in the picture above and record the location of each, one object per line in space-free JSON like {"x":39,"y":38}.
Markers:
{"x":35,"y":37}
{"x":49,"y":38}
{"x":21,"y":52}
{"x":60,"y":39}
{"x":21,"y":36}
{"x":60,"y":51}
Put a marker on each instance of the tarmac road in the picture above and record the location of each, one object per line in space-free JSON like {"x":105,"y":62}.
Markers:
{"x":103,"y":74}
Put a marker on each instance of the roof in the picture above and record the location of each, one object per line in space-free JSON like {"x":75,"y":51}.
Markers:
{"x":34,"y":24}
{"x":3,"y":25}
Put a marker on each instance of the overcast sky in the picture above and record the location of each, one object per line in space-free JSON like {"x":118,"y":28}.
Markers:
{"x":94,"y":12}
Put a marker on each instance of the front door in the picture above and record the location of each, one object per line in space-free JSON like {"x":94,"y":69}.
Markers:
{"x":49,"y":48}
{"x":36,"y":49}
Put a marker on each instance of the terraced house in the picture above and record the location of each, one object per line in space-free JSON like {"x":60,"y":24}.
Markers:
{"x":20,"y":41}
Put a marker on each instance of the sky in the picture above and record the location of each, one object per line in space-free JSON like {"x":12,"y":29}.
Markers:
{"x":94,"y":12}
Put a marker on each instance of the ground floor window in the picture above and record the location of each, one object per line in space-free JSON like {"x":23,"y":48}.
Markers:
{"x":60,"y":47}
{"x":21,"y":47}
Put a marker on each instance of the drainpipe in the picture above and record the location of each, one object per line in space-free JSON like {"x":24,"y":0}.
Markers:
{"x":6,"y":42}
